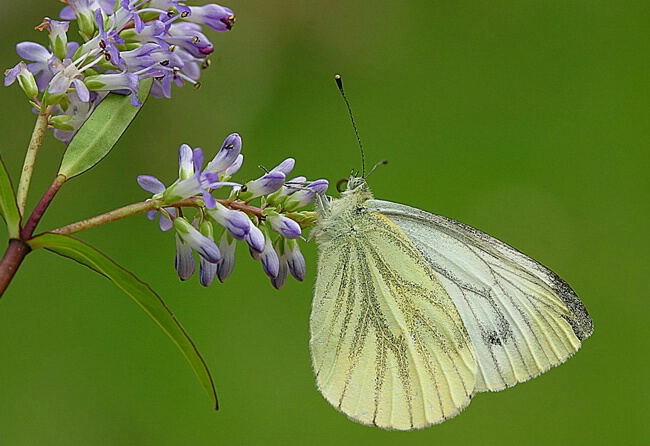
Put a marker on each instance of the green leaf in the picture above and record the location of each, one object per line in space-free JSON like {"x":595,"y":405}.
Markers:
{"x":8,"y":206}
{"x":139,"y":291}
{"x":101,"y":131}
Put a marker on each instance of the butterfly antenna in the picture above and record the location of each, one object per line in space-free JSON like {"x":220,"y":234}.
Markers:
{"x":339,"y":83}
{"x":380,"y":163}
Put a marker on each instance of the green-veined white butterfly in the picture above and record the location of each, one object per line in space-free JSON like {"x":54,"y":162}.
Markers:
{"x":414,"y":313}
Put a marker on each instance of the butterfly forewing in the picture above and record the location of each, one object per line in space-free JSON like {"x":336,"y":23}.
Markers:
{"x":388,"y":345}
{"x":521,"y":317}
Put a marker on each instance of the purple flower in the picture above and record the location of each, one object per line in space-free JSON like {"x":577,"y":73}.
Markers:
{"x":207,"y":269}
{"x":227,"y":247}
{"x":124,"y":82}
{"x":255,"y":239}
{"x":285,"y":166}
{"x":284,"y":225}
{"x":196,"y":182}
{"x":283,"y":273}
{"x":25,"y":79}
{"x":188,"y":238}
{"x":189,"y":37}
{"x":268,"y":183}
{"x":57,"y":35}
{"x":216,"y":17}
{"x":236,"y":222}
{"x":69,"y":76}
{"x":69,"y":121}
{"x":151,"y":184}
{"x":270,"y":260}
{"x":162,"y":39}
{"x":227,"y":155}
{"x":185,"y":162}
{"x":291,"y":260}
{"x":295,"y":260}
{"x":140,"y":58}
{"x":167,"y":216}
{"x":184,"y":261}
{"x":306,"y":195}
{"x":108,"y":39}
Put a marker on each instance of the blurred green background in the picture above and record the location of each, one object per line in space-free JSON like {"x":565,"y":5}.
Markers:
{"x":528,"y":120}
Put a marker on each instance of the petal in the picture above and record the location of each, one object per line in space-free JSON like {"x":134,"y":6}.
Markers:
{"x":207,"y":272}
{"x":33,"y":51}
{"x":227,"y":247}
{"x":285,"y":226}
{"x":279,"y":281}
{"x":295,"y":260}
{"x":285,"y":166}
{"x":255,"y":239}
{"x":184,"y":261}
{"x":227,"y":155}
{"x":270,"y":260}
{"x":185,"y":162}
{"x":151,"y":184}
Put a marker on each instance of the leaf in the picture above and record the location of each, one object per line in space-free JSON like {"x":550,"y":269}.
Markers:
{"x":139,"y":291}
{"x":8,"y":206}
{"x":99,"y":134}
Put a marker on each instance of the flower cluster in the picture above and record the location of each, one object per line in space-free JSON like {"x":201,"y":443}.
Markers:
{"x":123,"y":42}
{"x":270,"y":229}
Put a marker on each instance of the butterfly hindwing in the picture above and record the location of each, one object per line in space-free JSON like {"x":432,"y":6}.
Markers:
{"x":388,"y":346}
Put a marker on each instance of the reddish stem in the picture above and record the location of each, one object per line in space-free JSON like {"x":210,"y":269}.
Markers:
{"x":11,"y":260}
{"x":41,"y":207}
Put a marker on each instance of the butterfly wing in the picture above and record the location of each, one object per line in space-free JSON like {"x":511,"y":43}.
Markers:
{"x":521,"y":317}
{"x":388,"y":346}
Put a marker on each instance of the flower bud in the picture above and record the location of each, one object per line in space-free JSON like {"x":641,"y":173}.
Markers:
{"x":236,"y":222}
{"x":227,"y":246}
{"x":285,"y":226}
{"x":25,"y":79}
{"x":57,"y":35}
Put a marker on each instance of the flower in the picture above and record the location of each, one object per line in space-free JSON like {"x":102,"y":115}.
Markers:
{"x":122,"y":43}
{"x":302,"y":196}
{"x":188,"y":238}
{"x":235,"y":222}
{"x":291,"y":261}
{"x":284,"y":225}
{"x":227,"y":246}
{"x":216,"y":17}
{"x":25,"y":79}
{"x":196,"y":183}
{"x":295,"y":260}
{"x":270,"y":230}
{"x":268,"y":183}
{"x":270,"y":260}
{"x":207,"y":268}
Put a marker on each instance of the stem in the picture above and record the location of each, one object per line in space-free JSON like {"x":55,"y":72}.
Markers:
{"x":114,"y":215}
{"x":30,"y":157}
{"x":11,"y":260}
{"x":145,"y":206}
{"x":41,"y":207}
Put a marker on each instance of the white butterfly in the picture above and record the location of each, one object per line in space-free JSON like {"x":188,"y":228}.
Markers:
{"x":414,"y":313}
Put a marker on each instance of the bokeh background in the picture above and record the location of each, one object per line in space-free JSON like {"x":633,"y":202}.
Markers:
{"x":526,"y":119}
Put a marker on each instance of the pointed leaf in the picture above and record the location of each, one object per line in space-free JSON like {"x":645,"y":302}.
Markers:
{"x":139,"y":291}
{"x":101,"y":131}
{"x":8,"y":206}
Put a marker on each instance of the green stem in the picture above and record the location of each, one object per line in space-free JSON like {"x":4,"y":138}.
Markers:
{"x":145,"y":206}
{"x":30,"y":157}
{"x":114,"y":215}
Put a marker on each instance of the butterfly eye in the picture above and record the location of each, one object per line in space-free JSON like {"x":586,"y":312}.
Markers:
{"x":341,"y":185}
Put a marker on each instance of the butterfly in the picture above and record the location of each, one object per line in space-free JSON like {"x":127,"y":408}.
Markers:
{"x":414,"y":313}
